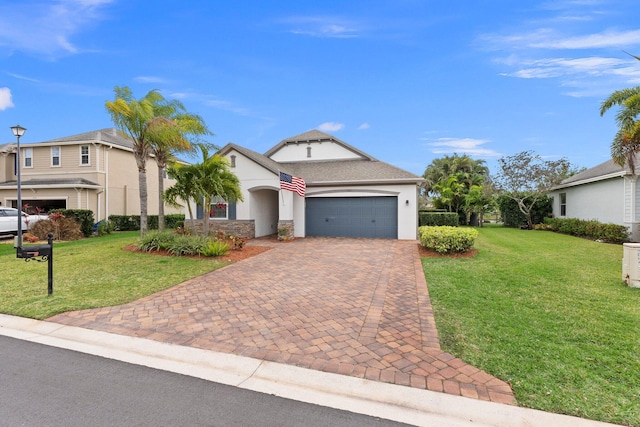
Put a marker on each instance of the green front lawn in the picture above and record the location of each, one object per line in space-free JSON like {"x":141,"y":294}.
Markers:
{"x":90,"y":273}
{"x":547,"y":313}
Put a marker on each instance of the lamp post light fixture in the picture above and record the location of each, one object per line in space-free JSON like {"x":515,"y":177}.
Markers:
{"x":30,"y":252}
{"x":18,"y":131}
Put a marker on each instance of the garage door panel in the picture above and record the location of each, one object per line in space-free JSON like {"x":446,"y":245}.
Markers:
{"x":352,"y":217}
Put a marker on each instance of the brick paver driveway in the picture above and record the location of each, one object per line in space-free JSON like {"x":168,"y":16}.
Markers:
{"x":356,"y":307}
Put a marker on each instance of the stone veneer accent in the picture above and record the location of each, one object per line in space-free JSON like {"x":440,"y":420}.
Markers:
{"x":285,"y":229}
{"x":241,"y":228}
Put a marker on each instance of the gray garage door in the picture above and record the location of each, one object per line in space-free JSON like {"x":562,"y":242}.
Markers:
{"x":352,"y":217}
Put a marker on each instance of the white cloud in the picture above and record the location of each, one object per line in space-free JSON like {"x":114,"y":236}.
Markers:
{"x":549,"y":38}
{"x":603,"y":39}
{"x":468,"y":146}
{"x":323,"y":26}
{"x":556,"y":67}
{"x":331,"y":126}
{"x":212,"y":101}
{"x":5,"y":98}
{"x":149,"y":79}
{"x":364,"y":126}
{"x":51,"y":25}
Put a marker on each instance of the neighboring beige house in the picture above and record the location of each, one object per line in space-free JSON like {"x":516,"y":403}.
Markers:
{"x":348,"y":192}
{"x":94,"y":170}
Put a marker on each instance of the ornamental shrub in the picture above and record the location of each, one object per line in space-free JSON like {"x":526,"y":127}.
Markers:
{"x":589,"y":229}
{"x":132,"y":222}
{"x":62,"y":228}
{"x":447,"y":239}
{"x":182,"y":244}
{"x":513,"y":217}
{"x":438,"y":218}
{"x":83,"y":217}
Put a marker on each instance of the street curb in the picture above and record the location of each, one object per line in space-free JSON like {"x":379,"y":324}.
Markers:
{"x":398,"y":403}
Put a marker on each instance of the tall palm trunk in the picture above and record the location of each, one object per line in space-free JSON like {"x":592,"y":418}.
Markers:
{"x":160,"y":200}
{"x":142,"y":183}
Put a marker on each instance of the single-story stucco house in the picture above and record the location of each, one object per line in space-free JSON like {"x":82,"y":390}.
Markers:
{"x":348,"y":193}
{"x":607,"y":193}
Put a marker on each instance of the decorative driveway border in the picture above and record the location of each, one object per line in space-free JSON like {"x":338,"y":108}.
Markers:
{"x":357,"y":307}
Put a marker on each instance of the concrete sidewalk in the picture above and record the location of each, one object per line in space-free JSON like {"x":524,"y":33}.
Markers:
{"x":399,"y":403}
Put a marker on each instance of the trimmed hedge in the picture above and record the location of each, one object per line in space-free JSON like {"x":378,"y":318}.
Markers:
{"x":447,"y":239}
{"x":438,"y":218}
{"x":589,"y":229}
{"x":83,"y":217}
{"x":132,"y":222}
{"x":513,"y":217}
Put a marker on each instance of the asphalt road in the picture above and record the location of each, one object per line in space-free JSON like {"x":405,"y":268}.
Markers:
{"x":49,"y":386}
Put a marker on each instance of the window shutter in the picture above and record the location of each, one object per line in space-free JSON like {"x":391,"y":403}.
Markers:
{"x":232,"y":210}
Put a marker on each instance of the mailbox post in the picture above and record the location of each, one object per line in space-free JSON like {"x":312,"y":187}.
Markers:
{"x":40,"y":253}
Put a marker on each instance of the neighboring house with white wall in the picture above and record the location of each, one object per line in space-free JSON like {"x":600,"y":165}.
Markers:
{"x":348,"y":192}
{"x":607,"y":193}
{"x":94,"y":170}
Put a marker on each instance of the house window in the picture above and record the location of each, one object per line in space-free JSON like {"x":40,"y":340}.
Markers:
{"x":219,"y":209}
{"x":28,"y":157}
{"x":55,"y":156}
{"x":308,"y":151}
{"x":563,"y":204}
{"x":84,"y":155}
{"x":233,"y":160}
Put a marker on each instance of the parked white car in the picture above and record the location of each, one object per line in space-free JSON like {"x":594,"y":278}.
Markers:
{"x":9,"y":220}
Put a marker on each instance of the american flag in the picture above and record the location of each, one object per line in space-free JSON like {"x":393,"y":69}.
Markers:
{"x":292,"y":183}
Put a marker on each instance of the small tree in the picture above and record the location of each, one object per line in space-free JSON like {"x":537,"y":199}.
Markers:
{"x":202,"y":182}
{"x":526,"y":178}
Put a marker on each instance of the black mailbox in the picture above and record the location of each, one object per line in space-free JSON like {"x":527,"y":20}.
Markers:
{"x":32,"y":251}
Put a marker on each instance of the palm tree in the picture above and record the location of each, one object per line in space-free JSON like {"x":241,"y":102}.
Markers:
{"x":131,"y":117}
{"x":451,"y":178}
{"x":184,"y":188}
{"x":168,"y":136}
{"x":135,"y":119}
{"x":213,"y":179}
{"x":626,"y":144}
{"x":202,"y":182}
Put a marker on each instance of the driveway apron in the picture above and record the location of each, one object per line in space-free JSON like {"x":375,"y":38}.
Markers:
{"x":357,"y":307}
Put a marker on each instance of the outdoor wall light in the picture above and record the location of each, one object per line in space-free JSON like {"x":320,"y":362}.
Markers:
{"x":407,"y":202}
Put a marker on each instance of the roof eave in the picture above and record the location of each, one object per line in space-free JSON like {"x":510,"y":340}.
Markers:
{"x":360,"y":182}
{"x":618,"y":174}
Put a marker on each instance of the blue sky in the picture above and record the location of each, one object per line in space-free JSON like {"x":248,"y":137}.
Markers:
{"x":406,"y":81}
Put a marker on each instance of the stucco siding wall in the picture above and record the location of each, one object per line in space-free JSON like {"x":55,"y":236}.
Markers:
{"x":253,"y":178}
{"x":123,"y":188}
{"x":265,"y":212}
{"x":319,"y":151}
{"x":603,"y":201}
{"x":7,"y":172}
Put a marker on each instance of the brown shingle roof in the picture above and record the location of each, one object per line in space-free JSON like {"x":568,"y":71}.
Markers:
{"x":261,"y":159}
{"x":350,"y":171}
{"x":108,"y":136}
{"x":606,"y":170}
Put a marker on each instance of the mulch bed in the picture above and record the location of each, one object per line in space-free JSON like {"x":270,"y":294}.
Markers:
{"x":429,"y":253}
{"x":231,"y":256}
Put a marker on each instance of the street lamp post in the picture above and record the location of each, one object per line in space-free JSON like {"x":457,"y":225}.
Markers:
{"x":18,"y":131}
{"x":30,"y":252}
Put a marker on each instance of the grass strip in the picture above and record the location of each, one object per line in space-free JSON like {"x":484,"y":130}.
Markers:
{"x":547,"y":313}
{"x":90,"y":273}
